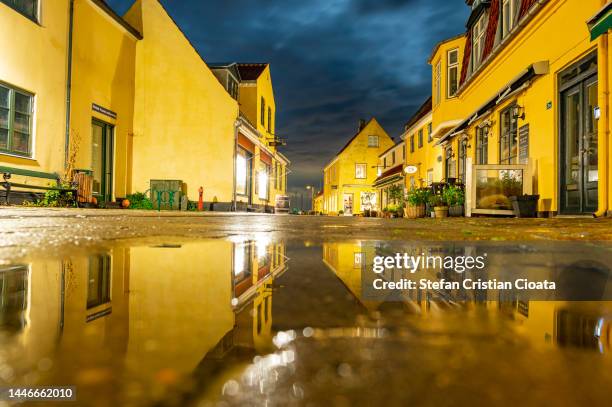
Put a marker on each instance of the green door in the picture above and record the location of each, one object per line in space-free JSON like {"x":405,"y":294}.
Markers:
{"x":102,"y":160}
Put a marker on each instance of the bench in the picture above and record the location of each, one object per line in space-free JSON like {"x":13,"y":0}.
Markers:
{"x":8,"y":172}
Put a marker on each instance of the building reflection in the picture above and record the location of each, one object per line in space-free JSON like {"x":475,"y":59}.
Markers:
{"x":586,"y":324}
{"x":141,"y":310}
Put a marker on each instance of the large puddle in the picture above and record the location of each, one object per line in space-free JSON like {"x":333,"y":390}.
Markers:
{"x":253,"y":321}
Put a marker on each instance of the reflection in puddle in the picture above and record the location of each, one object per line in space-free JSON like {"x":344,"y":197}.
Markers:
{"x":235,"y":319}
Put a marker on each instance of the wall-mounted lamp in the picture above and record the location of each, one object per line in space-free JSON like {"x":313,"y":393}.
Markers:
{"x":518,"y":112}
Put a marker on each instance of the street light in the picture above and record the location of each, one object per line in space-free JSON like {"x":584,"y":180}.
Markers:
{"x":312,"y":191}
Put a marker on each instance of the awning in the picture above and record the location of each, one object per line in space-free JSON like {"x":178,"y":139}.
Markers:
{"x":390,"y":176}
{"x":601,"y":22}
{"x":517,"y":84}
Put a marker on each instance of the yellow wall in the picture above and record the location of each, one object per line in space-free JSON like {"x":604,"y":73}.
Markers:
{"x":103,"y":73}
{"x":34,"y":60}
{"x":341,"y":172}
{"x":425,"y":158}
{"x":184,"y":119}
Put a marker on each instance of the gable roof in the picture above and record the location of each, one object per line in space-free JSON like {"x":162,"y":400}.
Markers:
{"x":354,"y":137}
{"x":419,"y":114}
{"x":251,"y":71}
{"x":108,"y":10}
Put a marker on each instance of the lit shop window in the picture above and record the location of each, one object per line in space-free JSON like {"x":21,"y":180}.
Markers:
{"x":360,"y":171}
{"x":241,"y":174}
{"x":262,"y":181}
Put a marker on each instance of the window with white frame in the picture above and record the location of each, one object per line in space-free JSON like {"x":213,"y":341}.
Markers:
{"x":16,"y":111}
{"x":437,"y":82}
{"x":478,"y":39}
{"x":372,"y":141}
{"x":429,"y":133}
{"x":452,"y":73}
{"x":361,"y":171}
{"x":510,"y":10}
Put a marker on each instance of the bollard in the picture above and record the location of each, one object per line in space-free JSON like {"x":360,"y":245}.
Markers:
{"x":201,"y":200}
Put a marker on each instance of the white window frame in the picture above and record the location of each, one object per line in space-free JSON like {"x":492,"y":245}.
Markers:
{"x":452,"y":66}
{"x":11,"y":119}
{"x":363,"y":167}
{"x":438,"y":81}
{"x":371,"y":144}
{"x":479,"y":31}
{"x":513,"y":8}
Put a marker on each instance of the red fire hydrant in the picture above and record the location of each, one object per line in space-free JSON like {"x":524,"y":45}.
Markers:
{"x":201,"y":200}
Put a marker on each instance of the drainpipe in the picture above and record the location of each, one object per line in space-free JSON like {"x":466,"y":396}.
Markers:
{"x":603,"y":126}
{"x":69,"y":82}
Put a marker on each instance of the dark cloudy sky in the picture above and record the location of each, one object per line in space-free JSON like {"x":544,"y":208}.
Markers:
{"x":333,"y":61}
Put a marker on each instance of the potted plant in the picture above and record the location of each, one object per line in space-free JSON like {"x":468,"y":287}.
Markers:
{"x":439,"y":205}
{"x":525,"y":206}
{"x":416,"y":201}
{"x":455,"y":198}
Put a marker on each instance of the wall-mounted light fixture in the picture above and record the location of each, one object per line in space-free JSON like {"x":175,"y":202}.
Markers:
{"x":518,"y":112}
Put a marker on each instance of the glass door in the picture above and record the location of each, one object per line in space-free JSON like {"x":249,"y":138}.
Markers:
{"x":579,"y":174}
{"x":102,"y":160}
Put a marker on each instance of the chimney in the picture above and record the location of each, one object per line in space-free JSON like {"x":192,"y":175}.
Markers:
{"x":362,"y":124}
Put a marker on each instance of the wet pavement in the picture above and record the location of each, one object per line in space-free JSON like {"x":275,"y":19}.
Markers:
{"x":136,"y":309}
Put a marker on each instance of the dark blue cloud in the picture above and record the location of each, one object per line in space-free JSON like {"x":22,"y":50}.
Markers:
{"x":333,"y":61}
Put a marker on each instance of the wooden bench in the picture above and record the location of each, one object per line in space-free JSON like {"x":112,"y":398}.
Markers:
{"x":8,"y":172}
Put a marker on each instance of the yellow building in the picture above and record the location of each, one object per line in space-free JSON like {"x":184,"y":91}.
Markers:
{"x":33,"y":88}
{"x":349,"y":177}
{"x":91,"y":93}
{"x":524,"y":97}
{"x":422,"y":164}
{"x":261,"y":170}
{"x":318,"y":203}
{"x":390,"y":171}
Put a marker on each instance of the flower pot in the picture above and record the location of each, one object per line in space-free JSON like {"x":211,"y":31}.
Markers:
{"x":525,"y":206}
{"x":455,"y":211}
{"x":414,"y":212}
{"x":441,"y":211}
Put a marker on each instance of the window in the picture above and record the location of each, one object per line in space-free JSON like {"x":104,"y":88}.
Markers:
{"x":429,"y":133}
{"x":420,"y":138}
{"x":372,"y":141}
{"x":243,"y":172}
{"x":269,"y":120}
{"x":482,"y":146}
{"x":28,"y":8}
{"x":452,"y":74}
{"x":429,"y":177}
{"x":262,"y":180}
{"x":449,"y":164}
{"x":508,"y":137}
{"x":385,"y":162}
{"x":263,"y":112}
{"x":462,"y":159}
{"x":16,"y":109}
{"x":404,"y":151}
{"x":98,"y":281}
{"x":510,"y":10}
{"x":478,"y":38}
{"x":437,"y":82}
{"x":412,"y":143}
{"x":232,"y":87}
{"x":360,"y":171}
{"x":393,"y":158}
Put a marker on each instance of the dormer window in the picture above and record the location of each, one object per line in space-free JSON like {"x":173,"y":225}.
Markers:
{"x":478,"y":39}
{"x":510,"y":10}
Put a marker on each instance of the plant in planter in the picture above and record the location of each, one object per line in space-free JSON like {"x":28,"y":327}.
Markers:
{"x":392,"y":210}
{"x":416,"y":201}
{"x":455,"y":198}
{"x":525,"y":206}
{"x":440,"y":206}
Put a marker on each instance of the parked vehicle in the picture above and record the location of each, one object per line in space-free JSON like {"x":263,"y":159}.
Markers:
{"x":282,"y":204}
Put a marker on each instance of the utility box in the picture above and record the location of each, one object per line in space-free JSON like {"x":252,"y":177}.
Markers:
{"x":166,"y":194}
